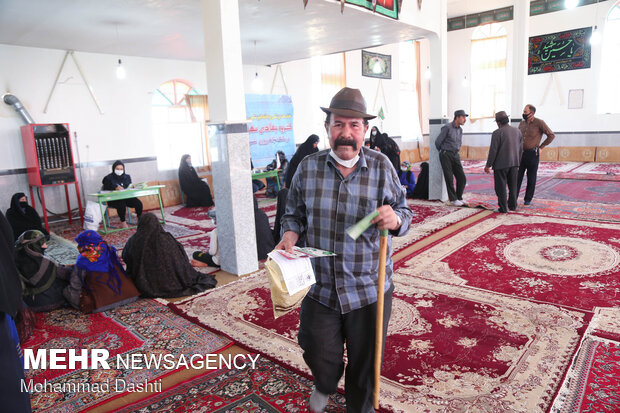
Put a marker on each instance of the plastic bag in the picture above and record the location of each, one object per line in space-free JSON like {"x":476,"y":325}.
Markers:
{"x":92,"y":216}
{"x":282,"y":301}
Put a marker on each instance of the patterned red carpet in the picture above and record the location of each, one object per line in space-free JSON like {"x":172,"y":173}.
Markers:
{"x":574,"y":264}
{"x":603,"y":192}
{"x":447,"y":345}
{"x":550,"y":207}
{"x":119,"y":239}
{"x":598,"y":168}
{"x":143,"y":327}
{"x":268,"y":388}
{"x":594,"y":381}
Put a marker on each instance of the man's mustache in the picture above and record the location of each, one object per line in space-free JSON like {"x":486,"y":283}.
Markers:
{"x":345,"y":142}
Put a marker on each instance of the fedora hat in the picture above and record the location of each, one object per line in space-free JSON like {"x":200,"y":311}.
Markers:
{"x":348,"y":103}
{"x":501,"y":115}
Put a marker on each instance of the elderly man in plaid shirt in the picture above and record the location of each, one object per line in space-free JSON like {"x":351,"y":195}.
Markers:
{"x":332,"y":190}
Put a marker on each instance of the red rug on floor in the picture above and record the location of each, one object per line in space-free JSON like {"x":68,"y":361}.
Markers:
{"x":559,"y":261}
{"x":552,"y":168}
{"x":447,"y":345}
{"x":484,"y":184}
{"x":143,"y":327}
{"x":594,"y":381}
{"x":267,"y":388}
{"x":119,"y":239}
{"x":587,"y":177}
{"x":600,"y":168}
{"x":550,"y":207}
{"x":480,"y":184}
{"x":602,"y":192}
{"x":429,"y":217}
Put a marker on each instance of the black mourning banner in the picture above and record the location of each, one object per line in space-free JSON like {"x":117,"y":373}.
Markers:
{"x":556,"y":52}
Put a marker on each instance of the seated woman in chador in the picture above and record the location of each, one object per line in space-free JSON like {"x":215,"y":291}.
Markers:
{"x":43,"y":279}
{"x":197,"y":192}
{"x":158,"y":264}
{"x":116,"y":181}
{"x":22,"y":216}
{"x":98,"y":281}
{"x":279,"y":163}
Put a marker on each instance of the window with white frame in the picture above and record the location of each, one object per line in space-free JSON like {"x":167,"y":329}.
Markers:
{"x":333,"y":75}
{"x":174,"y":132}
{"x":609,"y":88}
{"x":488,"y":70}
{"x":409,"y":110}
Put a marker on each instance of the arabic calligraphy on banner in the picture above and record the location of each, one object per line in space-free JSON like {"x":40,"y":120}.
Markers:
{"x":556,"y":52}
{"x":271,"y":127}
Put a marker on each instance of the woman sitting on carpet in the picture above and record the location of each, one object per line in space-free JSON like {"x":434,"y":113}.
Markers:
{"x":158,"y":264}
{"x":421,"y":189}
{"x":196,"y":190}
{"x":98,"y":281}
{"x":43,"y":280}
{"x":212,"y":257}
{"x":22,"y":216}
{"x":407,"y":178}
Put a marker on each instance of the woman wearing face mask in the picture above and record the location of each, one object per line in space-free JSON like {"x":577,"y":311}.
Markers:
{"x":22,"y":216}
{"x":374,"y":134}
{"x":197,"y":192}
{"x":43,"y":279}
{"x":116,"y":181}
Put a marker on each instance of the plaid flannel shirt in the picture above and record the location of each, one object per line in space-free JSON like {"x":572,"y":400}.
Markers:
{"x":323,"y":204}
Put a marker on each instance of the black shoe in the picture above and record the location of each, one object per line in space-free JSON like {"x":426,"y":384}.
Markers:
{"x":204,"y":257}
{"x":527,"y":203}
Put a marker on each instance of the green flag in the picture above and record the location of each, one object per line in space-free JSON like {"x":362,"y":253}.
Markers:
{"x":381,"y":114}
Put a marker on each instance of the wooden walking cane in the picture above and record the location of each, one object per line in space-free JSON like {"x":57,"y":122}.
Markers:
{"x":379,"y":322}
{"x":354,"y":232}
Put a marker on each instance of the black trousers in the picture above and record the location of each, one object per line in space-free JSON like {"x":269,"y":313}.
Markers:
{"x":122,"y":204}
{"x":503,"y":177}
{"x":452,"y":168}
{"x":529,"y":163}
{"x":323,"y":332}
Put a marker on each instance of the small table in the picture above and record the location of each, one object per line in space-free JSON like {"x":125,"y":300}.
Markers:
{"x":268,"y":174}
{"x":124,"y":194}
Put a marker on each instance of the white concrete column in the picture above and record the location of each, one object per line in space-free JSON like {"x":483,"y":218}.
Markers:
{"x":520,"y":41}
{"x":228,"y":136}
{"x":438,"y":103}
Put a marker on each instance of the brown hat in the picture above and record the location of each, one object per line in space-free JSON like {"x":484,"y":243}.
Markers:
{"x":501,"y":115}
{"x":348,"y":103}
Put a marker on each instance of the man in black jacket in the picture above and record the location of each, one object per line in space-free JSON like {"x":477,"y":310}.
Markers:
{"x":504,"y":156}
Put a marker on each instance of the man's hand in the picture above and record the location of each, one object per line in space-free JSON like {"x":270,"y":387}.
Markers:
{"x":288,"y":241}
{"x":386,"y":219}
{"x":487,"y":170}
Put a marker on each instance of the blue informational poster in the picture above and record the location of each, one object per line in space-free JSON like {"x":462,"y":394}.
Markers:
{"x":271,"y":127}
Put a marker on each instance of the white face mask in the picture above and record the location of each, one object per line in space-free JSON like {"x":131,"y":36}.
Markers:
{"x":119,"y":172}
{"x":374,"y":132}
{"x":347,"y":164}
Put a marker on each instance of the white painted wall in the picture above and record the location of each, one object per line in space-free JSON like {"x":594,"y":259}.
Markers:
{"x":123,"y":131}
{"x":552,"y":110}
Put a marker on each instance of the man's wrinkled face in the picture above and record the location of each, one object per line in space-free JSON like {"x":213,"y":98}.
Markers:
{"x":346,"y":135}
